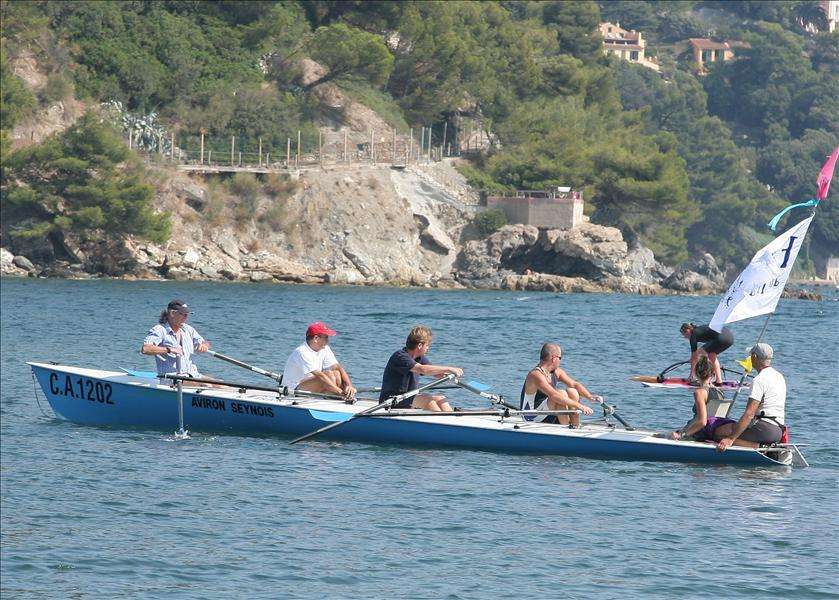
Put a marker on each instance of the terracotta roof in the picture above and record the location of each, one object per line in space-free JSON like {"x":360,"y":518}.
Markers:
{"x":706,"y":44}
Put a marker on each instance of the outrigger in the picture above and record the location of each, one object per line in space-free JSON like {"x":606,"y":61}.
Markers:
{"x":142,"y":400}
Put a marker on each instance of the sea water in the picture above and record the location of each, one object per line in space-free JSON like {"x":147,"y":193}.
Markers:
{"x":112,"y":513}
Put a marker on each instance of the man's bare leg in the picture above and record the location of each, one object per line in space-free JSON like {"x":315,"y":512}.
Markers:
{"x":575,"y":396}
{"x":554,"y":405}
{"x":433,"y":403}
{"x":317,"y":386}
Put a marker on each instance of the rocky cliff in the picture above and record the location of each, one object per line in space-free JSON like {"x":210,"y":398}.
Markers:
{"x":362,"y":225}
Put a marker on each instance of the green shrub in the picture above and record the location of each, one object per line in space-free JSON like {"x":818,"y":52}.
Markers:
{"x":274,"y":217}
{"x":280,"y":187}
{"x":490,"y":221}
{"x":57,"y":88}
{"x":81,"y":181}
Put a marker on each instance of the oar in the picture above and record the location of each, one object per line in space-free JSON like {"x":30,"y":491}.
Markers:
{"x":332,"y":417}
{"x":476,"y":387}
{"x":611,"y":410}
{"x":390,"y":401}
{"x":275,"y":376}
{"x":244,"y":386}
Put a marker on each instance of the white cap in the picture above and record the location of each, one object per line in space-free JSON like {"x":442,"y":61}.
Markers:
{"x":762,"y":351}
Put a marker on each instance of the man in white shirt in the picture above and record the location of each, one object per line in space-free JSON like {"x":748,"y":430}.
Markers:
{"x":763,"y":420}
{"x":312,"y":366}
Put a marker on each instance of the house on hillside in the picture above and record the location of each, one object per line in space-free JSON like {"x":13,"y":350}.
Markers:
{"x":556,"y":208}
{"x":831,"y":270}
{"x":706,"y":51}
{"x":626,"y":45}
{"x":831,"y":11}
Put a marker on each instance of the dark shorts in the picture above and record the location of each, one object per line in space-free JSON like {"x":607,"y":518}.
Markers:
{"x":406,"y":403}
{"x":707,"y":432}
{"x":763,"y":431}
{"x":721,"y":344}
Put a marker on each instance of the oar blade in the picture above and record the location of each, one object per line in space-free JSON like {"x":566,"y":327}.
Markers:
{"x":142,"y":374}
{"x":478,"y":385}
{"x":330,"y":417}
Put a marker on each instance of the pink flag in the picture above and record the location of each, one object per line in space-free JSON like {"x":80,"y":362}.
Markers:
{"x":826,"y":174}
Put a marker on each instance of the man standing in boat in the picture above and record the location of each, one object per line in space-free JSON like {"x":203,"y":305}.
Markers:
{"x":714,"y":343}
{"x":404,"y":368}
{"x":541,"y":389}
{"x":763,"y":420}
{"x":313,"y":367}
{"x":172,"y":341}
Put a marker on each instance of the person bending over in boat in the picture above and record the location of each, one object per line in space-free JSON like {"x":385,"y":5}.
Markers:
{"x":404,"y":368}
{"x":541,"y":389}
{"x":702,"y":426}
{"x":173,"y":341}
{"x":313,"y":367}
{"x":714,"y":343}
{"x":763,"y":420}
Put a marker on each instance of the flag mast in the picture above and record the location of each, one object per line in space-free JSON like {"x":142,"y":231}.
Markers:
{"x":823,"y":182}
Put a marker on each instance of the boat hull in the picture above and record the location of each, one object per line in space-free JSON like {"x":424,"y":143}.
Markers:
{"x":105,"y":398}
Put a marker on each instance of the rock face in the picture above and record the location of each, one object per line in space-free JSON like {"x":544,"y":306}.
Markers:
{"x":697,"y":275}
{"x":360,"y":225}
{"x":591,"y":256}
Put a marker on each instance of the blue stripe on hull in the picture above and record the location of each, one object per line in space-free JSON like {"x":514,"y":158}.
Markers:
{"x":145,"y":406}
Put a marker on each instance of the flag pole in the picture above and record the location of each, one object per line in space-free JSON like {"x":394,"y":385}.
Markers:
{"x":745,"y":372}
{"x":823,"y":185}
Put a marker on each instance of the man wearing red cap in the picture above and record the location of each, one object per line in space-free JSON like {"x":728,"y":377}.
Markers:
{"x":313,"y":367}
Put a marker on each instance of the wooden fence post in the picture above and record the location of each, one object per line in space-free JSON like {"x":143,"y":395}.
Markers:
{"x":297,"y":162}
{"x":393,"y":152}
{"x":410,"y":146}
{"x":210,"y":157}
{"x":260,"y":151}
{"x":373,"y":146}
{"x":130,"y":138}
{"x":445,"y":130}
{"x":232,"y":147}
{"x":202,"y":146}
{"x":422,"y":144}
{"x":320,"y":147}
{"x":288,"y":153}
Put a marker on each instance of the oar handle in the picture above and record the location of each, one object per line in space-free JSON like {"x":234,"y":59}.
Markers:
{"x":275,"y":376}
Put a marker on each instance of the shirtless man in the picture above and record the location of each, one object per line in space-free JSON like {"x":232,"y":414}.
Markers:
{"x":541,"y":389}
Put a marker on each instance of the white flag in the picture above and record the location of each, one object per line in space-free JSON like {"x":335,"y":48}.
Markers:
{"x":758,"y":288}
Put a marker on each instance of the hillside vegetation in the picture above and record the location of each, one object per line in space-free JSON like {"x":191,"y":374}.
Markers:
{"x":683,"y":163}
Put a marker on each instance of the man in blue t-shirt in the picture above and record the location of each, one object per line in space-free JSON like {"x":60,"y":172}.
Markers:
{"x":404,"y":368}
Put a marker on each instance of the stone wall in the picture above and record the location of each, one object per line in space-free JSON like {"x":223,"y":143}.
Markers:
{"x":551,"y":212}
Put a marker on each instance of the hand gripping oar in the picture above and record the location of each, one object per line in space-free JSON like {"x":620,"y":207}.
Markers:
{"x":390,"y":401}
{"x":275,"y":376}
